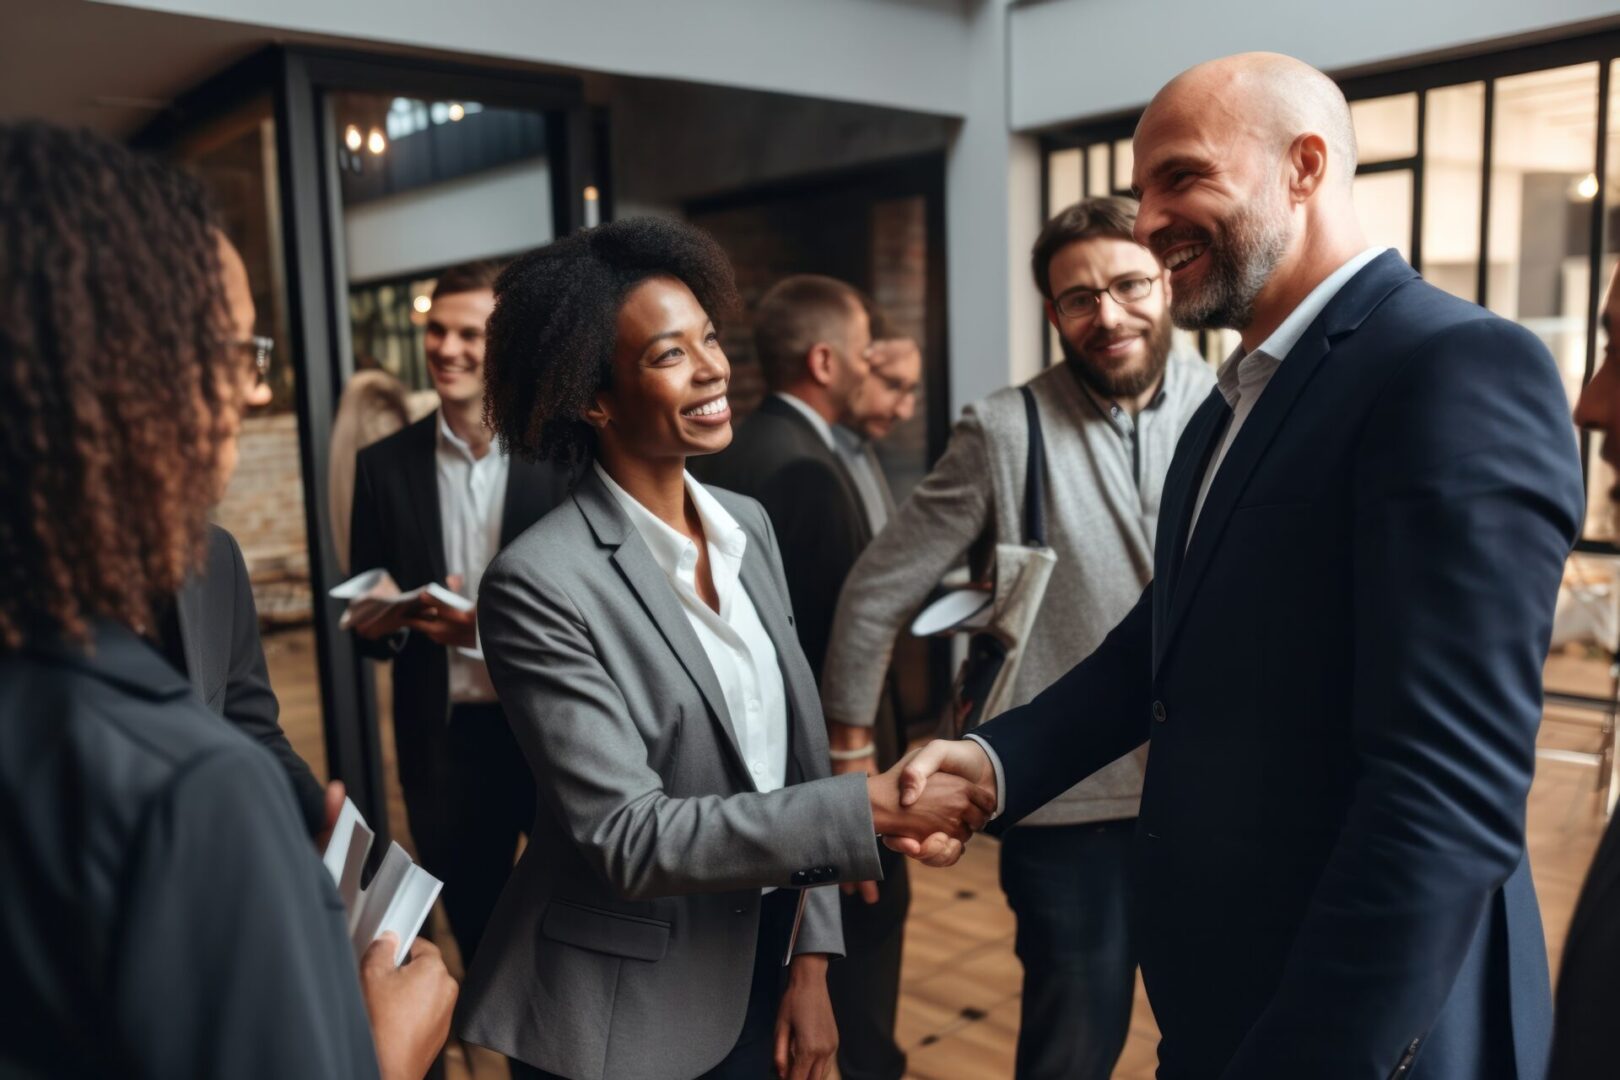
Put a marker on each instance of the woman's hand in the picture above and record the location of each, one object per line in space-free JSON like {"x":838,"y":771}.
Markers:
{"x":806,"y":1034}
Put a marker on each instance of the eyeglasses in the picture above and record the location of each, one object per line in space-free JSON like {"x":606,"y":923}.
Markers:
{"x":260,"y":348}
{"x":1083,"y":303}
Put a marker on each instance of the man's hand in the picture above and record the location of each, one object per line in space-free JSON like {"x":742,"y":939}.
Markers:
{"x":446,"y":625}
{"x":848,"y":739}
{"x":950,"y":806}
{"x":409,"y":1006}
{"x":384,"y":619}
{"x":806,"y":1033}
{"x":962,"y":758}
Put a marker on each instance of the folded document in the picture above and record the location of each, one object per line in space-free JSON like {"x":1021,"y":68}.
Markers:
{"x":371,"y":592}
{"x":400,"y":894}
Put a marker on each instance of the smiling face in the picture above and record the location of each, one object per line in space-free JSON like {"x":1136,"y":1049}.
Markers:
{"x":1214,"y":207}
{"x":668,"y":392}
{"x":1121,"y":349}
{"x":455,"y":344}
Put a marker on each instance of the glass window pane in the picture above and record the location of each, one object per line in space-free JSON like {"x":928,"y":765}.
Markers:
{"x":263,"y":506}
{"x":1098,"y":174}
{"x":1384,"y":203}
{"x":1453,"y":159}
{"x":1124,"y":161}
{"x":1386,"y":128}
{"x":1062,"y":180}
{"x":1543,"y":150}
{"x":1586,"y":627}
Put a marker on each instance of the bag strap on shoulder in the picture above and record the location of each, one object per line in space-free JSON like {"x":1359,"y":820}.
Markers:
{"x":1034,"y":476}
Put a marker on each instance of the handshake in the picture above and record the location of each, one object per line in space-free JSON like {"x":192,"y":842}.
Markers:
{"x":933,"y":800}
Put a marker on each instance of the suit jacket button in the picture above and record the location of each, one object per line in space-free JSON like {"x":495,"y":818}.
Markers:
{"x":1158,"y":711}
{"x":739,"y":910}
{"x":800,"y":878}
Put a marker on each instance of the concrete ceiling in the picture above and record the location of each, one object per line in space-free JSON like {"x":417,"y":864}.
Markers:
{"x":112,"y":69}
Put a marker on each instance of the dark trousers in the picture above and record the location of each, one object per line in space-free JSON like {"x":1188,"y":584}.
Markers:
{"x":468,"y":796}
{"x":865,"y":984}
{"x":1067,"y":886}
{"x":753,"y":1056}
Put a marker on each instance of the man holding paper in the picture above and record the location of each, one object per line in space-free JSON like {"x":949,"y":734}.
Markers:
{"x":432,"y":505}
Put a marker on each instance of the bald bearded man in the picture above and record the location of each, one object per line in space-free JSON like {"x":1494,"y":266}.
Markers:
{"x":1338,"y":662}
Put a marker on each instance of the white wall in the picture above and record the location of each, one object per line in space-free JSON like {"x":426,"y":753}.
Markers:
{"x":497,"y":212}
{"x":907,"y":54}
{"x":1073,"y":59}
{"x":992,"y":215}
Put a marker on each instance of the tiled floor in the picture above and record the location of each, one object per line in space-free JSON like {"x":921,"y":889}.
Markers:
{"x":960,"y":981}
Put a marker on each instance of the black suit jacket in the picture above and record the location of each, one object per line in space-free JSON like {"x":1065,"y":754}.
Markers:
{"x":1586,"y":1039}
{"x":396,"y":527}
{"x":219,"y":638}
{"x":162,"y":913}
{"x":778,"y":458}
{"x":1340,"y":676}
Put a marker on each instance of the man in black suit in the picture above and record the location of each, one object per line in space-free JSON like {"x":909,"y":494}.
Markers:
{"x":1586,"y":1038}
{"x":813,"y":337}
{"x":211,"y":635}
{"x":1338,"y":662}
{"x":434,"y":503}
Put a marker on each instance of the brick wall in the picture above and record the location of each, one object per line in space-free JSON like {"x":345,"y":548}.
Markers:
{"x":264,"y":509}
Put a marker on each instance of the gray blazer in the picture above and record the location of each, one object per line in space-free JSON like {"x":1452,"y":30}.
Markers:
{"x":623,"y":945}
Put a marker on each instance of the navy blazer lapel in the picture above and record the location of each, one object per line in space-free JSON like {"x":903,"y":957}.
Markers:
{"x":423,"y":480}
{"x":647,"y":580}
{"x":1181,"y":486}
{"x":1346,"y":311}
{"x":797,"y":678}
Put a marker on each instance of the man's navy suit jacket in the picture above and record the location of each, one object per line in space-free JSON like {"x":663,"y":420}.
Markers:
{"x":1340,"y":677}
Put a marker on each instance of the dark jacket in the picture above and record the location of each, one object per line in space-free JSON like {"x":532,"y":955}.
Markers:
{"x":219,"y":637}
{"x":1586,"y":1042}
{"x":162,"y":912}
{"x":778,"y":458}
{"x":396,"y":527}
{"x":1340,"y":678}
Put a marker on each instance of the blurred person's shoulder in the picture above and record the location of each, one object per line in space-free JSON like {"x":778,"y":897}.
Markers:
{"x":107,"y":733}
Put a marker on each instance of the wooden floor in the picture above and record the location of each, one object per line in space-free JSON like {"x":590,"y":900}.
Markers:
{"x":960,"y":981}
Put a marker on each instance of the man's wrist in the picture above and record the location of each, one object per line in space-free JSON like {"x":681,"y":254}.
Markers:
{"x":808,"y":966}
{"x":845,"y":737}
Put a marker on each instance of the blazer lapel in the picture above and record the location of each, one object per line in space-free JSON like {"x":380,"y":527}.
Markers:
{"x":1181,"y":487}
{"x":1346,"y":311}
{"x":797,"y":677}
{"x":423,"y":479}
{"x":658,"y":599}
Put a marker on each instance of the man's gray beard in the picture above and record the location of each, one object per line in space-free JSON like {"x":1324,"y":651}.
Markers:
{"x":1242,"y":257}
{"x":1128,"y":382}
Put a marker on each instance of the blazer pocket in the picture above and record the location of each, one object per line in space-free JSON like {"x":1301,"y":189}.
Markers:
{"x":630,"y":936}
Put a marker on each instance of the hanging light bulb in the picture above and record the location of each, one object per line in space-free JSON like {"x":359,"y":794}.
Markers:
{"x":422,"y":304}
{"x":456,"y":111}
{"x":352,"y":138}
{"x":1587,"y":188}
{"x":375,"y":141}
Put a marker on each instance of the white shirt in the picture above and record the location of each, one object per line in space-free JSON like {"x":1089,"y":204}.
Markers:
{"x":1241,"y":380}
{"x":1244,"y":376}
{"x":472,"y":501}
{"x":739,"y":650}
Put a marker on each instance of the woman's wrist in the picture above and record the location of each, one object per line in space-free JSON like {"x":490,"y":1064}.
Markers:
{"x":808,"y":966}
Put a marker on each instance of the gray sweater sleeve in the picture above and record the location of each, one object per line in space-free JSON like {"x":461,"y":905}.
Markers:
{"x":946,"y":513}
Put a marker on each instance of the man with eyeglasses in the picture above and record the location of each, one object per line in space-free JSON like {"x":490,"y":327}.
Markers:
{"x":1111,"y":414}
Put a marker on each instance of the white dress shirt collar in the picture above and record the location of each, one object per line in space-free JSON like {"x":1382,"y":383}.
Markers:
{"x":675,"y":554}
{"x":817,"y":421}
{"x":1241,"y":367}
